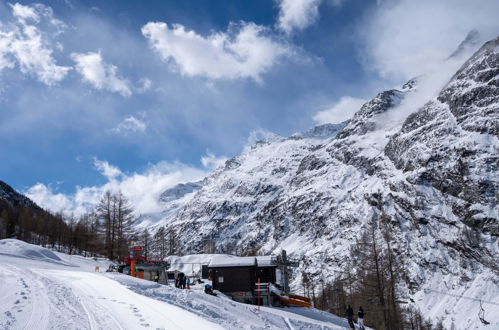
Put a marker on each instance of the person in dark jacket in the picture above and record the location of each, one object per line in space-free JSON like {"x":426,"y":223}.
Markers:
{"x":208,"y":290}
{"x":360,"y":320}
{"x":349,"y":313}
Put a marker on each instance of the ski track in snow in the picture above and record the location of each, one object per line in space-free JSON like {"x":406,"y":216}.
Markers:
{"x":61,"y":299}
{"x":35,"y":296}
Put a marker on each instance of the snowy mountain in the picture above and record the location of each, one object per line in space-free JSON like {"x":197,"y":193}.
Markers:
{"x":8,"y":194}
{"x":179,"y":191}
{"x":430,"y":172}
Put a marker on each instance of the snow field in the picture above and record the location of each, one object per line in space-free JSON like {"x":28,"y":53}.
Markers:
{"x":41,"y":289}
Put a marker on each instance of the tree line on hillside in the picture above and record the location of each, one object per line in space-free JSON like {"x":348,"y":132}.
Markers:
{"x":105,"y":231}
{"x":371,"y":279}
{"x":33,"y":225}
{"x":158,"y":246}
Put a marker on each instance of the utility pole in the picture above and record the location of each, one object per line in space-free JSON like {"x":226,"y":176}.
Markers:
{"x":283,"y":264}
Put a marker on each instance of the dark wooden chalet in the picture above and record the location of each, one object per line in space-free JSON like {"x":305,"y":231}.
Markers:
{"x":238,"y":277}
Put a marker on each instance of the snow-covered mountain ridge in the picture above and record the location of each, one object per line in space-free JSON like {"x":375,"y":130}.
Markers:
{"x":432,"y":174}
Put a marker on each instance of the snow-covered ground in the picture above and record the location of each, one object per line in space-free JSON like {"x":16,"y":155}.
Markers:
{"x":41,"y":289}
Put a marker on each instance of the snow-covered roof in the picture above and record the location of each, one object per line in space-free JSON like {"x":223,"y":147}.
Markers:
{"x":266,"y":261}
{"x":232,"y":261}
{"x":190,"y":264}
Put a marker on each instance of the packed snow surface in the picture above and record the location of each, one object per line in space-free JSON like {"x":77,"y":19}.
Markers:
{"x":42,"y":289}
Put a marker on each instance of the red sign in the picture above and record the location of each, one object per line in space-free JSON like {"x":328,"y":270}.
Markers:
{"x":137,"y":248}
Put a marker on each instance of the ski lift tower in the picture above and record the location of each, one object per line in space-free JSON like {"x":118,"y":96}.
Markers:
{"x":283,"y":263}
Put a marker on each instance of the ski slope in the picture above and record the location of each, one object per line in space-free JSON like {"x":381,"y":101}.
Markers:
{"x":42,"y":289}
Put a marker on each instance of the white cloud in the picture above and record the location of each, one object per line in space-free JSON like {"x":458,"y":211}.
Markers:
{"x":211,"y":162}
{"x":100,"y":74}
{"x":145,"y":85}
{"x":109,"y":171}
{"x":297,"y":14}
{"x":142,"y":189}
{"x":344,"y":109}
{"x":24,"y":13}
{"x":246,"y":51}
{"x":130,"y":124}
{"x":407,"y":38}
{"x":45,"y":197}
{"x":5,"y":41}
{"x":24,"y":44}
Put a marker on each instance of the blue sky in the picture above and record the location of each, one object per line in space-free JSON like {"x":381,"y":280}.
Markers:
{"x":142,"y":95}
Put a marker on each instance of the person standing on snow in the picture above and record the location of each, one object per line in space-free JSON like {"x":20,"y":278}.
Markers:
{"x":360,"y":320}
{"x":349,"y":313}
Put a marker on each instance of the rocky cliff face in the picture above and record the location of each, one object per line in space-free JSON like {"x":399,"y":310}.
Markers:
{"x":432,"y":175}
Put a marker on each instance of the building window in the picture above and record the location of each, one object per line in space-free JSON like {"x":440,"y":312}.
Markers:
{"x":220,"y":279}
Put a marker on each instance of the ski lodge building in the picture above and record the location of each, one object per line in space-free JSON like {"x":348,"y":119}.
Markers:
{"x":238,"y":277}
{"x":259,"y":280}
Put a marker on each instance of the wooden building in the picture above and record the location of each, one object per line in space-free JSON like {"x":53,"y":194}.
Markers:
{"x":238,"y":277}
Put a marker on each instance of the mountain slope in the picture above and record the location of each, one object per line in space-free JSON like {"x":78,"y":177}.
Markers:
{"x":8,"y":194}
{"x":430,"y":173}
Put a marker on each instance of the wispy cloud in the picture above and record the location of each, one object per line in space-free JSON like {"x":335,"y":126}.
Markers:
{"x":23,"y":13}
{"x":100,"y":74}
{"x":46,"y":197}
{"x":130,"y":124}
{"x":142,"y":189}
{"x":344,"y":109}
{"x":407,"y":38}
{"x":246,"y":50}
{"x":144,"y":85}
{"x":109,"y":171}
{"x":297,"y":14}
{"x":211,"y":162}
{"x":22,"y":43}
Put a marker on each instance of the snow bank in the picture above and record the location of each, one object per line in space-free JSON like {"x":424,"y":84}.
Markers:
{"x":16,"y":248}
{"x":230,"y":314}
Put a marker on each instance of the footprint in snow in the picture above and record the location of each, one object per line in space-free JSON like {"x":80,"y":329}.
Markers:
{"x":145,"y":325}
